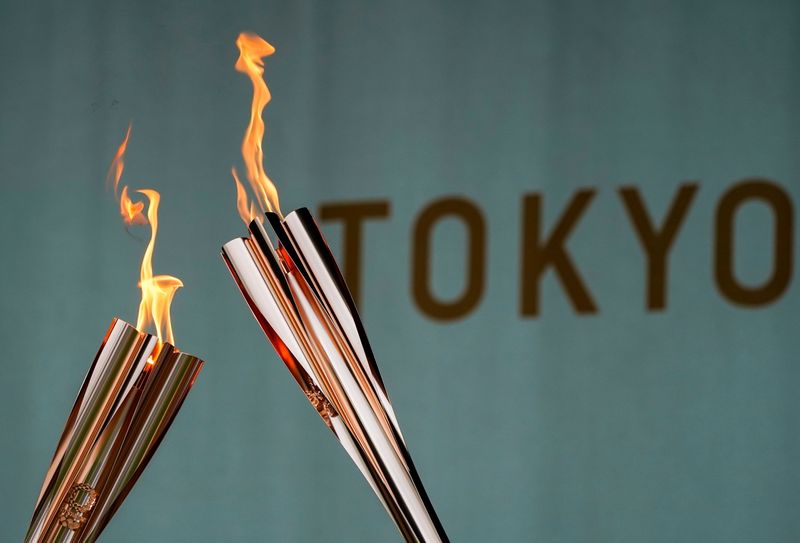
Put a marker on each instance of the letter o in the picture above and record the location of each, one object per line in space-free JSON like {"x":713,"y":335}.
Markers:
{"x":471,"y":216}
{"x":781,"y":206}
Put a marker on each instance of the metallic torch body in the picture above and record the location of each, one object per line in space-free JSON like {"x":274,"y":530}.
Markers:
{"x":299,"y":297}
{"x":128,"y":400}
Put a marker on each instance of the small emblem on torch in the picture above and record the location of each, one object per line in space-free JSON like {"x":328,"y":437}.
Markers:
{"x":320,"y":403}
{"x":77,"y":506}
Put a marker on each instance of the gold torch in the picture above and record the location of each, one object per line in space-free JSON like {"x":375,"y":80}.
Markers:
{"x":300,"y":299}
{"x":130,"y":396}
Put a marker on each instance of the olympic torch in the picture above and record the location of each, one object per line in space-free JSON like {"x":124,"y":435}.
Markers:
{"x":129,"y":398}
{"x":298,"y":295}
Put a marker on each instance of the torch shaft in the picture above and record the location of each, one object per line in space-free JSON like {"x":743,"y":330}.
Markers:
{"x":302,"y":303}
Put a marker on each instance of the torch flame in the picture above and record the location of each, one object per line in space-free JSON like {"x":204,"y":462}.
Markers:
{"x":252,"y":49}
{"x":157,"y":290}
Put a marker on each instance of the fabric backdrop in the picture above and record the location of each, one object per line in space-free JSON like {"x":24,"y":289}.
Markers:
{"x":628,"y":423}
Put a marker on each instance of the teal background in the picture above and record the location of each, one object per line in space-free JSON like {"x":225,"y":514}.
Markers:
{"x":625,"y":426}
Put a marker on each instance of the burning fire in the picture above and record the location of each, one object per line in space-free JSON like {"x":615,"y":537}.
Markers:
{"x":130,"y":211}
{"x":157,"y":290}
{"x":252,"y":49}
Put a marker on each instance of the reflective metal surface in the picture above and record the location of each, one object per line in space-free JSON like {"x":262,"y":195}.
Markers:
{"x":300,"y":299}
{"x":127,"y":402}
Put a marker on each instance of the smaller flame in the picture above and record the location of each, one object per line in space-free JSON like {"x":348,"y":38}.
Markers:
{"x":252,"y":49}
{"x":157,"y":290}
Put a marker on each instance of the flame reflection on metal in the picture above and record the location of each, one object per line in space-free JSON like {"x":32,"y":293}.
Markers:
{"x":128,"y":400}
{"x":299,"y":297}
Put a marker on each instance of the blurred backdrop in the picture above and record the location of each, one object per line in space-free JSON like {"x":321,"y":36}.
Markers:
{"x":549,"y":392}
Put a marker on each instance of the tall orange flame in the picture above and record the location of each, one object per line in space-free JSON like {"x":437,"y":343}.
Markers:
{"x":157,"y":290}
{"x":252,"y":49}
